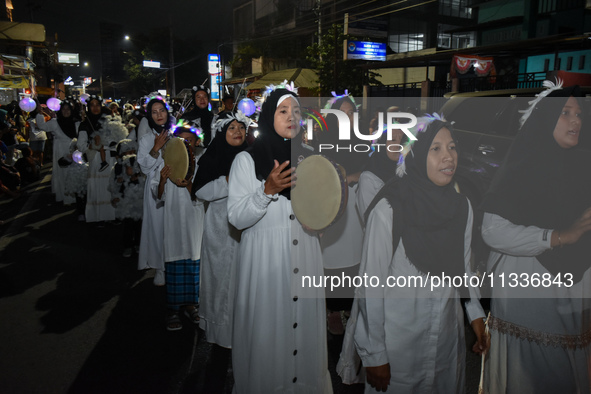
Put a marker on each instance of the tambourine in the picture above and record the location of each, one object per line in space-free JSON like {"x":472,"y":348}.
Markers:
{"x":178,"y":155}
{"x":320,"y":195}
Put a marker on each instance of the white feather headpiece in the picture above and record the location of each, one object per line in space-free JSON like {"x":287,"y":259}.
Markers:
{"x":239,"y":116}
{"x":283,"y":85}
{"x":550,"y":87}
{"x":336,"y":97}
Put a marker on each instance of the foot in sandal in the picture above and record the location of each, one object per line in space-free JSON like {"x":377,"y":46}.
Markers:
{"x":192,"y":312}
{"x":173,"y":322}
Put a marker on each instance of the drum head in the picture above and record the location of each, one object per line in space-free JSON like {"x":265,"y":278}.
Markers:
{"x":175,"y":156}
{"x":317,"y":196}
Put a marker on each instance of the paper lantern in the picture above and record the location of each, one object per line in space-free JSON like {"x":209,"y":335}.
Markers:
{"x":54,"y":104}
{"x":247,"y":106}
{"x":78,"y":157}
{"x":27,"y":104}
{"x":84,"y":97}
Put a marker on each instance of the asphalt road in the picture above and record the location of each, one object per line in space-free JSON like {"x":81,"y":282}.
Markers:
{"x":77,"y":317}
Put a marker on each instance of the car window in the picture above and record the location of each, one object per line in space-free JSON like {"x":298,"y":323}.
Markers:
{"x":476,"y":114}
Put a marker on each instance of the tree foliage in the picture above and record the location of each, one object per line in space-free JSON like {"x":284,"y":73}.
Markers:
{"x":334,"y":73}
{"x":242,"y":62}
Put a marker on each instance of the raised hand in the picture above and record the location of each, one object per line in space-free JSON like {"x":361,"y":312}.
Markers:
{"x":279,"y":178}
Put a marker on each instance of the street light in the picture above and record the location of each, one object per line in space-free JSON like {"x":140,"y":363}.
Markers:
{"x":127,"y":37}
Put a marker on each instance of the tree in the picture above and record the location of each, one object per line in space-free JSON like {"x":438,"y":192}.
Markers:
{"x":141,"y":80}
{"x":334,"y":73}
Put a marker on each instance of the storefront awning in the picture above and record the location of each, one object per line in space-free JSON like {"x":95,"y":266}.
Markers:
{"x":301,"y":77}
{"x":247,"y":79}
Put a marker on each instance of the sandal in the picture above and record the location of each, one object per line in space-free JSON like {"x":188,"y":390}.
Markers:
{"x":192,"y":312}
{"x":173,"y":322}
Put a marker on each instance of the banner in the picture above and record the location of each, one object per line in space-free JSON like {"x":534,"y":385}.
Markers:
{"x":14,"y":82}
{"x":483,"y":66}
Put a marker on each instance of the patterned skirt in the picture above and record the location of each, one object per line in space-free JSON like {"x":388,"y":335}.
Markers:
{"x":182,"y":283}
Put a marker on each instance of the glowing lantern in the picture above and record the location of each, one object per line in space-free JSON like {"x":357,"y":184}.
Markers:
{"x":54,"y":104}
{"x":27,"y":104}
{"x":78,"y":157}
{"x":247,"y":106}
{"x":84,"y":97}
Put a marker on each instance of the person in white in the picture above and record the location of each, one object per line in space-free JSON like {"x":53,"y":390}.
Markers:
{"x":183,"y":232}
{"x":220,"y":257}
{"x":411,"y":338}
{"x":105,"y":132}
{"x":538,"y":223}
{"x":153,"y":133}
{"x":279,"y":340}
{"x":64,"y":128}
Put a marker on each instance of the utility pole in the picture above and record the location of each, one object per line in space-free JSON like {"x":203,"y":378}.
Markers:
{"x":320,"y":26}
{"x":171,"y":60}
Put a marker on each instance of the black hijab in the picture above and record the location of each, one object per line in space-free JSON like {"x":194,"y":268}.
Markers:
{"x":67,"y":124}
{"x":541,"y":184}
{"x":379,"y":163}
{"x":151,"y":123}
{"x":269,"y":145}
{"x":218,"y":158}
{"x":204,"y":115}
{"x":91,"y":122}
{"x":430,"y":219}
{"x":351,"y":161}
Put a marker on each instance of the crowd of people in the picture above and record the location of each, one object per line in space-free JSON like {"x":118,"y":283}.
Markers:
{"x":223,"y":238}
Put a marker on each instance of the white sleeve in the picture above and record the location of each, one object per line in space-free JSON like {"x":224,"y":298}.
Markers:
{"x":46,"y":126}
{"x":145,"y":160}
{"x":82,"y":142}
{"x":375,"y":260}
{"x":369,"y":186}
{"x":214,"y":190}
{"x":473,"y":308}
{"x":515,"y":240}
{"x":247,"y":201}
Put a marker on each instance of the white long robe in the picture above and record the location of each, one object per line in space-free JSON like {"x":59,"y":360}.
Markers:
{"x":341,"y":242}
{"x":183,"y":220}
{"x":61,"y":147}
{"x":98,"y":196}
{"x":151,"y":254}
{"x":419,"y":332}
{"x":219,"y":265}
{"x":525,"y":356}
{"x":279,"y":343}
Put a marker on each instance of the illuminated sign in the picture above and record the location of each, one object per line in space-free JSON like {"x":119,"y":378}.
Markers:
{"x":87,"y":81}
{"x":215,"y":86}
{"x":213,"y":64}
{"x":151,"y":64}
{"x":69,"y":81}
{"x":67,"y":58}
{"x":365,"y":50}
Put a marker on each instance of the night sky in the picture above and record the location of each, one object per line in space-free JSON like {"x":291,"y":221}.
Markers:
{"x":77,"y":22}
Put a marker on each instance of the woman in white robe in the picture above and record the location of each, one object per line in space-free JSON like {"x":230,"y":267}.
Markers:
{"x":410,"y":336}
{"x":538,"y":223}
{"x":64,"y":128}
{"x":279,"y":343}
{"x":153,"y":134}
{"x":99,"y":132}
{"x":220,"y":257}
